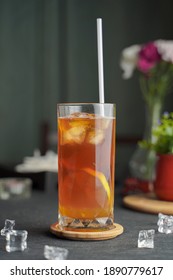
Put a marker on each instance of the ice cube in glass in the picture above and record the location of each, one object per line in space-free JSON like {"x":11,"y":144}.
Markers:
{"x":96,"y":136}
{"x":74,"y":135}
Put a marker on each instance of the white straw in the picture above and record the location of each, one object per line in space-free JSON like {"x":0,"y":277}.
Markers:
{"x":100,"y":60}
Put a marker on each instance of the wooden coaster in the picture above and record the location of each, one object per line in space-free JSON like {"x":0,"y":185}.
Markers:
{"x":148,"y":203}
{"x":76,"y":234}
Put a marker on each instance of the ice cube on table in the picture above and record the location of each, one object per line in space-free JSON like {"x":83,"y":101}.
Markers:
{"x":55,"y":253}
{"x":146,"y":238}
{"x":74,"y":135}
{"x":8,"y":227}
{"x":165,"y":223}
{"x":16,"y":240}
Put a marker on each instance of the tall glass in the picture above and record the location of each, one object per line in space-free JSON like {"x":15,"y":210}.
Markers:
{"x":86,"y":165}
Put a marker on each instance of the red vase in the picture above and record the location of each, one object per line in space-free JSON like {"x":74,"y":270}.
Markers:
{"x":163,"y":185}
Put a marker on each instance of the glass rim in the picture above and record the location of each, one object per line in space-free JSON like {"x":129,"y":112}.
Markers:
{"x":83,"y":103}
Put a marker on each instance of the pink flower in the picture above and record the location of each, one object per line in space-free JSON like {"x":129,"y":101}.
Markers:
{"x":148,"y":57}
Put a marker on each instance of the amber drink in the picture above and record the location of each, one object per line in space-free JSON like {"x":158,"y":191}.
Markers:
{"x":86,"y":156}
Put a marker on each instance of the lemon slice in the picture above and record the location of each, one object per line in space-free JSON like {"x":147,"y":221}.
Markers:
{"x":102,"y":179}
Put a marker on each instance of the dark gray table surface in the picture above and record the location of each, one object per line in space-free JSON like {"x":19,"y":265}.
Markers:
{"x":37,"y":213}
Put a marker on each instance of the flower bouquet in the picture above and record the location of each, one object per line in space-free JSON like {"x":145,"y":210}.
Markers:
{"x":154,"y":63}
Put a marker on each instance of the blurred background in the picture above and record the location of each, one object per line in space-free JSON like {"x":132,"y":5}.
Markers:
{"x":48,"y":54}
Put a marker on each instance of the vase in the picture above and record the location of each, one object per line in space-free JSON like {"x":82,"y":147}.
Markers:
{"x":163,"y":184}
{"x":142,"y":163}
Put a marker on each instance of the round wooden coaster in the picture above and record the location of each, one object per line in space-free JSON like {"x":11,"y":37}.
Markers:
{"x":148,"y":203}
{"x":76,"y":234}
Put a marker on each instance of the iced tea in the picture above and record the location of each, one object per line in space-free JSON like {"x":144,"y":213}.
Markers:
{"x":86,"y":152}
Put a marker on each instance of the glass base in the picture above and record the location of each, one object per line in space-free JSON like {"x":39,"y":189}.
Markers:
{"x":103,"y":223}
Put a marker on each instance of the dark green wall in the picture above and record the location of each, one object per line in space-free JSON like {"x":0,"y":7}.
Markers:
{"x":48,"y":54}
